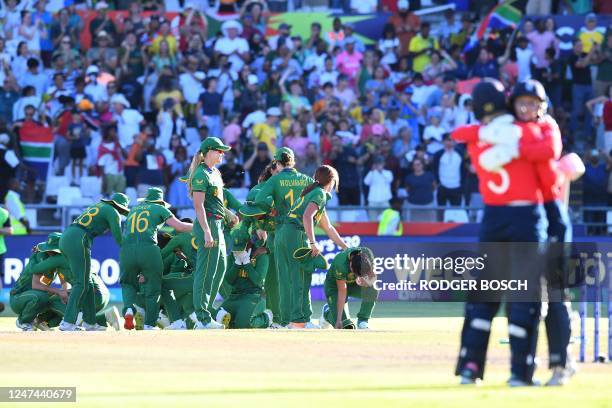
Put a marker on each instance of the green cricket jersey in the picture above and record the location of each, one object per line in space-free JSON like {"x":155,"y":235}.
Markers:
{"x":98,"y":219}
{"x":56,"y":263}
{"x":250,"y":278}
{"x":317,"y":196}
{"x":339,"y":270}
{"x":143,"y":222}
{"x":186,"y":242}
{"x":266,"y":223}
{"x":285,"y":189}
{"x":24,"y":282}
{"x":209,"y":182}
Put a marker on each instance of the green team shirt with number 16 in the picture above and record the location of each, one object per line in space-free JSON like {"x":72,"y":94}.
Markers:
{"x":143,"y":223}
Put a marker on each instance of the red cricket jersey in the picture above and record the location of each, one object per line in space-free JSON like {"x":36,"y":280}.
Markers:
{"x":517,"y":180}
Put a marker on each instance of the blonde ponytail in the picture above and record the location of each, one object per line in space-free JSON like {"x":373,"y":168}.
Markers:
{"x":198,"y":158}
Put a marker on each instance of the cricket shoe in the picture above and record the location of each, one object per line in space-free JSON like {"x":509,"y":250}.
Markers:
{"x":469,"y":375}
{"x":147,"y":327}
{"x":139,"y":318}
{"x":177,"y":325}
{"x":128,"y":320}
{"x":212,"y":325}
{"x":275,"y":326}
{"x":224,"y":317}
{"x":322,"y":321}
{"x":163,"y":321}
{"x":515,"y":382}
{"x":296,"y":326}
{"x":41,"y":325}
{"x":65,"y":326}
{"x":93,"y":327}
{"x":560,"y":376}
{"x":270,"y":315}
{"x":363,"y":325}
{"x":311,"y":325}
{"x":24,"y":326}
{"x":112,"y":317}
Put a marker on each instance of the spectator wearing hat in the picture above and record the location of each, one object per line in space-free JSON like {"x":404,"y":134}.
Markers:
{"x":406,"y":24}
{"x":104,"y":53}
{"x":282,"y":38}
{"x":258,"y":161}
{"x":589,"y":35}
{"x":379,"y":181}
{"x":232,"y":45}
{"x":94,"y":89}
{"x":421,"y":47}
{"x":102,"y":23}
{"x":348,"y":61}
{"x":128,"y":120}
{"x":266,"y":132}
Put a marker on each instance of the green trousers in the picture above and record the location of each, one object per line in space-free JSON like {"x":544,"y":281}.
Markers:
{"x":209,"y":271}
{"x":271,"y":284}
{"x":141,"y":259}
{"x":28,"y":304}
{"x":247,"y":311}
{"x":177,"y":295}
{"x":368,"y":298}
{"x":56,"y":309}
{"x":76,"y":247}
{"x":291,"y":275}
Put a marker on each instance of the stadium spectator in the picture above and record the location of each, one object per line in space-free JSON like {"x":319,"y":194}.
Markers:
{"x":420,"y":185}
{"x":582,"y":86}
{"x":102,"y":23}
{"x":421,"y":47}
{"x":258,"y":161}
{"x":589,"y":35}
{"x":232,"y":172}
{"x":604,"y":66}
{"x":447,"y":166}
{"x":379,"y":181}
{"x":110,"y":162}
{"x":406,"y":24}
{"x":128,"y":120}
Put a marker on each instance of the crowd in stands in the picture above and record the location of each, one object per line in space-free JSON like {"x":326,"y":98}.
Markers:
{"x":132,"y":107}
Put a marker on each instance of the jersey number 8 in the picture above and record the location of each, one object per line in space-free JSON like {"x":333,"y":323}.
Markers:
{"x":86,"y":218}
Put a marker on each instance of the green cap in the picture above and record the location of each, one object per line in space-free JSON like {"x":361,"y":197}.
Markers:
{"x":120,"y":201}
{"x":240,"y":238}
{"x":51,"y":244}
{"x":303,"y":256}
{"x":279,"y":153}
{"x":213,"y":143}
{"x":155,"y":195}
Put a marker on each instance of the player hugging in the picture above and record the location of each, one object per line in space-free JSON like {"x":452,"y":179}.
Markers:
{"x":259,"y":256}
{"x":516,"y":151}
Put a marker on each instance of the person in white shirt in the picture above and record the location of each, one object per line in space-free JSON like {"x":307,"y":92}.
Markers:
{"x":524,"y":59}
{"x":235,"y":47}
{"x":379,"y":181}
{"x":128,"y":120}
{"x":447,"y":164}
{"x":284,"y":36}
{"x":464,"y":113}
{"x":191,"y":81}
{"x":434,"y":132}
{"x":394,"y":123}
{"x":94,"y":89}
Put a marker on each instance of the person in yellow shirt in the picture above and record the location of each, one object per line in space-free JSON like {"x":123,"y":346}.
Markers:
{"x":420,"y":48}
{"x":266,"y":132}
{"x":589,"y":34}
{"x":165,"y":34}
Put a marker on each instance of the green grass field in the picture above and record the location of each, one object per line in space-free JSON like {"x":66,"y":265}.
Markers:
{"x":403,"y":361}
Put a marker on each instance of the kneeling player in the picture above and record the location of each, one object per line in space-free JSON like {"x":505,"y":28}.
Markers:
{"x":351,"y":274}
{"x":245,"y":308}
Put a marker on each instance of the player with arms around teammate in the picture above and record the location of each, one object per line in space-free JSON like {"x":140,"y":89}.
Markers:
{"x":351,"y":274}
{"x":140,"y":255}
{"x":512,"y":214}
{"x":75,"y":244}
{"x":206,"y":190}
{"x":277,"y":196}
{"x":308,"y":211}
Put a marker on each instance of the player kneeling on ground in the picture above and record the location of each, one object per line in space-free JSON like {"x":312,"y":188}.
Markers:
{"x":351,"y":274}
{"x":245,"y":308}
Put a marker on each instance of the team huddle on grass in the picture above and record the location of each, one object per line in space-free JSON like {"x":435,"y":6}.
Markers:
{"x":260,"y":256}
